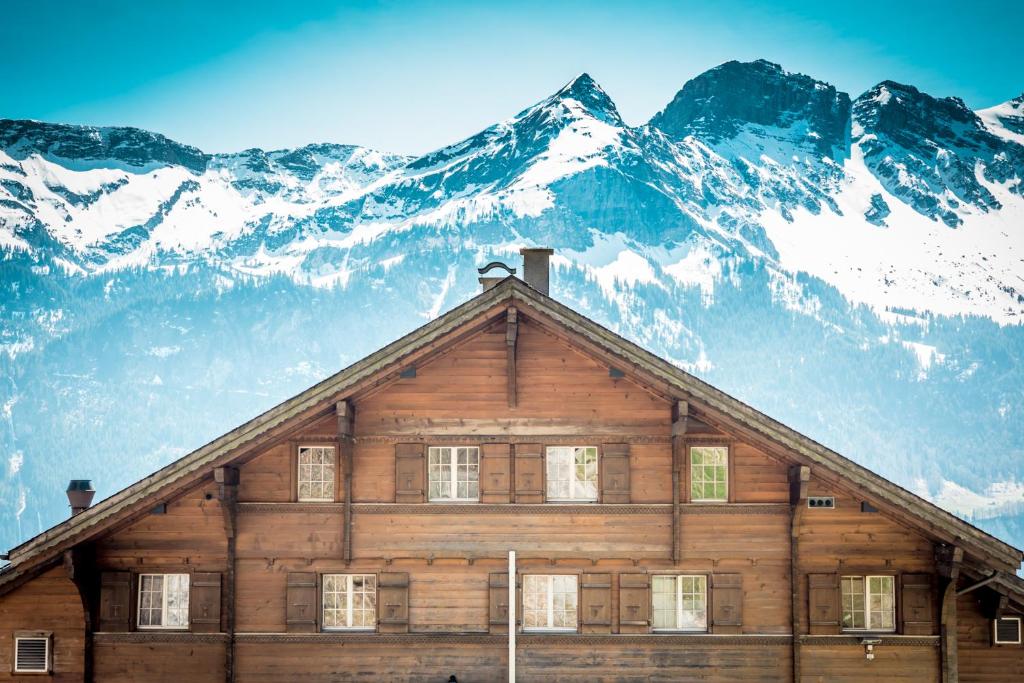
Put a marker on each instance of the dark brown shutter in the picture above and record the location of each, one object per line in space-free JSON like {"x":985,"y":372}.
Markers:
{"x":634,"y":602}
{"x":301,"y":602}
{"x":823,"y":603}
{"x":410,"y":471}
{"x":393,"y":602}
{"x":727,"y":602}
{"x":596,"y":602}
{"x":615,"y":473}
{"x":529,"y":473}
{"x":495,"y":467}
{"x":498,"y":618}
{"x":204,"y":602}
{"x":115,"y":601}
{"x":916,"y":600}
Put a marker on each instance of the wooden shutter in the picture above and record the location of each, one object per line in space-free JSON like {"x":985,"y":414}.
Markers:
{"x":410,"y":472}
{"x":918,"y":612}
{"x":301,"y":602}
{"x":393,"y":602}
{"x":823,"y":603}
{"x":596,"y":602}
{"x":615,"y":473}
{"x":115,"y":601}
{"x":634,"y":603}
{"x":204,"y":602}
{"x":495,"y":467}
{"x":529,"y":473}
{"x":498,"y":618}
{"x":727,"y":602}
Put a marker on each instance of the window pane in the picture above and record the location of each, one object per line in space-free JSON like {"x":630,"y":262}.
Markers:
{"x":853,"y":602}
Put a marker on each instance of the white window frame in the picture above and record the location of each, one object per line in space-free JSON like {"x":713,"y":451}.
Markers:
{"x":868,"y":626}
{"x":995,"y":631}
{"x":689,"y":460}
{"x":550,"y":606}
{"x":349,"y":602}
{"x":453,"y":469}
{"x":299,"y":480}
{"x":163,"y":603}
{"x":571,"y":451}
{"x":46,"y":656}
{"x":679,"y":611}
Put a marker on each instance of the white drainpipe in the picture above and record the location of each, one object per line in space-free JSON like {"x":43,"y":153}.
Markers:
{"x":511,"y":616}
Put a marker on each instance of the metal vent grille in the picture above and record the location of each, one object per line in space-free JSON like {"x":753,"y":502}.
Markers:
{"x":828,"y":502}
{"x":31,"y":654}
{"x":1008,"y":630}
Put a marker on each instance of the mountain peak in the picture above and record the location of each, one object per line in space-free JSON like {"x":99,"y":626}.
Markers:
{"x":719,"y":103}
{"x":590,"y":96}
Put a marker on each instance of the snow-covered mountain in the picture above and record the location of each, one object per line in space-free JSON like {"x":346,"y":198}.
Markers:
{"x":855,"y":268}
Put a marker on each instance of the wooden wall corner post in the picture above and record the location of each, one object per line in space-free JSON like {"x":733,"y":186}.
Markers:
{"x":511,"y":340}
{"x":799,"y":478}
{"x":80,"y":565}
{"x":947,"y":566}
{"x":227,"y":479}
{"x":680,"y":412}
{"x":346,"y":448}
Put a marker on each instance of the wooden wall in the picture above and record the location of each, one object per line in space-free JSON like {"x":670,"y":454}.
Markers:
{"x":981,"y":660}
{"x":48,"y":603}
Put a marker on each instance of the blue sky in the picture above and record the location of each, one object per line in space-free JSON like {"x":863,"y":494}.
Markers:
{"x":412,"y":76}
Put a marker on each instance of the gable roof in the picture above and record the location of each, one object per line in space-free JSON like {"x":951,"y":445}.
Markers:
{"x":511,"y":291}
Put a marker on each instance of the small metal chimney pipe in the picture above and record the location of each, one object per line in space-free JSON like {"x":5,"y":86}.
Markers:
{"x":537,"y":267}
{"x":80,"y":495}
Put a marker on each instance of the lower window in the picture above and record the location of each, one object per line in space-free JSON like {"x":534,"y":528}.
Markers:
{"x":869,"y":603}
{"x":349,"y":601}
{"x":549,"y":602}
{"x":163,"y":601}
{"x":680,"y":603}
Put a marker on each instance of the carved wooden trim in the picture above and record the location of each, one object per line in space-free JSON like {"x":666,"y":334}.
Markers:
{"x":887,"y":640}
{"x":510,"y":508}
{"x":568,"y":640}
{"x":159,"y":637}
{"x":547,"y":439}
{"x":734,"y":508}
{"x":291,"y":507}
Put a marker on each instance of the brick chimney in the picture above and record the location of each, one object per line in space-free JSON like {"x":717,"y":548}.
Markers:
{"x":80,"y":494}
{"x":537,"y":267}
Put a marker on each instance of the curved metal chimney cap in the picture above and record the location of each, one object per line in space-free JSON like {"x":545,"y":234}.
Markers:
{"x":80,"y":485}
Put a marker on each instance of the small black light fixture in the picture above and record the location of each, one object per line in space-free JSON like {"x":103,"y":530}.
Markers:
{"x":453,"y":679}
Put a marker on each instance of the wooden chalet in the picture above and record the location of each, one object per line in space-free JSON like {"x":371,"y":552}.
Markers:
{"x":364,"y":530}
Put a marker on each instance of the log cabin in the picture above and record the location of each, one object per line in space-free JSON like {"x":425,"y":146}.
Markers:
{"x":511,"y":492}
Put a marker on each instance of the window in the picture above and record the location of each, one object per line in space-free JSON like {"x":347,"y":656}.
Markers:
{"x":549,"y":602}
{"x":316,"y":473}
{"x":868,"y":603}
{"x":709,"y":474}
{"x":454,"y":473}
{"x":1006,"y":631}
{"x":31,"y":654}
{"x":163,"y":601}
{"x":572,"y":473}
{"x":680,"y":603}
{"x":350,"y":601}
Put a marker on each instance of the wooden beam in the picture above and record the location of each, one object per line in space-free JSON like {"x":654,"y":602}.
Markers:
{"x":227,"y":479}
{"x":799,"y":477}
{"x":80,"y":565}
{"x":345,"y":412}
{"x":947,"y":564}
{"x":680,"y":415}
{"x":511,"y":339}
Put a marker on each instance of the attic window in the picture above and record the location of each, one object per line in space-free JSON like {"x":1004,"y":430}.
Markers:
{"x":316,"y":474}
{"x":32,"y":654}
{"x":709,"y":474}
{"x":1006,"y":631}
